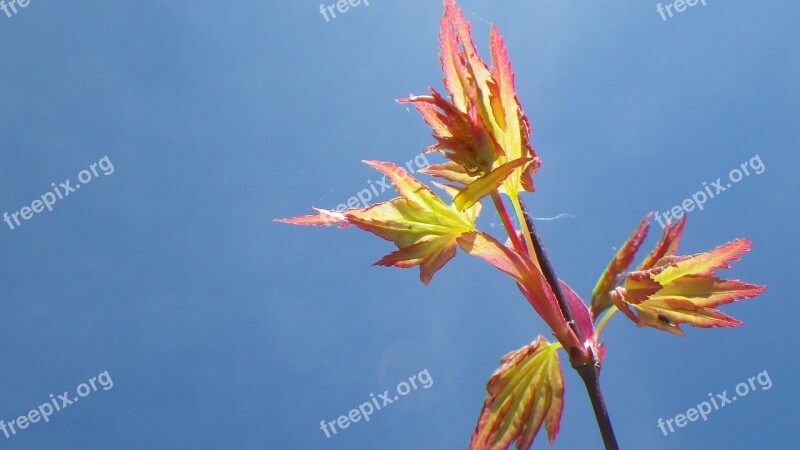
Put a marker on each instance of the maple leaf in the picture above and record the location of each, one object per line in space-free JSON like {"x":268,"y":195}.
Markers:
{"x":601,"y":295}
{"x":482,"y":128}
{"x":683,"y":290}
{"x":422,"y":226}
{"x":524,"y":393}
{"x":511,"y":126}
{"x":617,"y":269}
{"x":667,"y":245}
{"x":461,"y":136}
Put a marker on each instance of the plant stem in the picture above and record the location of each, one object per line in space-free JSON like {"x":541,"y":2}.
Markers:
{"x":512,"y":232}
{"x":550,"y":274}
{"x":591,"y":378}
{"x":589,"y":373}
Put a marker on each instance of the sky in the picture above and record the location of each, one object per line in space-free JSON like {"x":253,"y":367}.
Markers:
{"x":161,"y":294}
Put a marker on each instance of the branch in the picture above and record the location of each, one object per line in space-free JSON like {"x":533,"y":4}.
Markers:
{"x":589,"y":373}
{"x":591,"y":378}
{"x":550,"y":274}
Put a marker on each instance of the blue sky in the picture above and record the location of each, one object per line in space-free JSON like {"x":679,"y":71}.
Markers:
{"x":222,"y":329}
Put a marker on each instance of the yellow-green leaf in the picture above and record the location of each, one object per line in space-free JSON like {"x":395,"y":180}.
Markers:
{"x":526,"y":392}
{"x":423,"y":227}
{"x":683,"y":290}
{"x":484,"y":185}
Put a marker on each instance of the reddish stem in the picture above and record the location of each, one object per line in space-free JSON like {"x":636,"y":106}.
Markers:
{"x":512,"y":232}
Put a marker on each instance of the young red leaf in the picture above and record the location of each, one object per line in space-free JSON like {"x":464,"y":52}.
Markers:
{"x":511,"y":128}
{"x":526,"y":392}
{"x":461,"y":136}
{"x":482,"y":128}
{"x":703,"y":264}
{"x":667,"y":246}
{"x":710,"y":291}
{"x":684,"y":290}
{"x":610,"y":278}
{"x":461,"y":49}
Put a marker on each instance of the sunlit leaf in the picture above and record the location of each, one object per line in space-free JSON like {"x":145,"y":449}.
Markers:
{"x":617,"y":268}
{"x":423,"y":227}
{"x":484,"y":185}
{"x":667,"y":246}
{"x":511,"y":128}
{"x":450,"y":171}
{"x":526,"y":392}
{"x":482,"y":127}
{"x":683,"y":290}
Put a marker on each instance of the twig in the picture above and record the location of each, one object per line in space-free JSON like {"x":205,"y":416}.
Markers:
{"x":589,"y":373}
